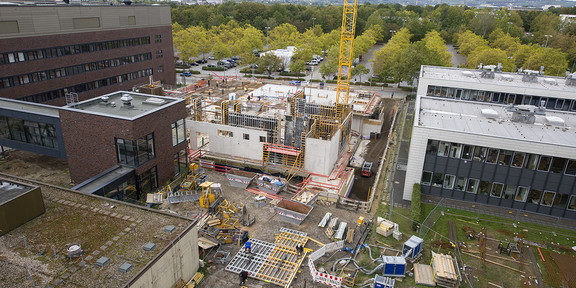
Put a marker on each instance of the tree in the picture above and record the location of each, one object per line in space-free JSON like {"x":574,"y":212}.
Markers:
{"x":554,"y":61}
{"x":284,"y":35}
{"x":488,"y":56}
{"x":468,"y":42}
{"x":498,"y":39}
{"x":300,"y":57}
{"x":270,"y":62}
{"x":483,"y":23}
{"x":385,"y":58}
{"x":220,"y":50}
{"x":191,"y":42}
{"x":360,"y":70}
{"x":434,"y":42}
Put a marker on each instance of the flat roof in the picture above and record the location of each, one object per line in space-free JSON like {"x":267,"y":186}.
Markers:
{"x":28,"y":107}
{"x":501,"y":78}
{"x":467,"y":117}
{"x":102,"y":227}
{"x":10,"y":190}
{"x":116,"y":105}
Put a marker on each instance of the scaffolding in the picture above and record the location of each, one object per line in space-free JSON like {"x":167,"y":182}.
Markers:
{"x":269,"y":125}
{"x":224,"y":109}
{"x":286,"y":156}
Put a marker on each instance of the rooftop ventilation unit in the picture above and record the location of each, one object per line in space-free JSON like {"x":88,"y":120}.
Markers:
{"x":155,"y":101}
{"x":550,"y":81}
{"x":490,"y":113}
{"x":555,"y":121}
{"x":530,"y":76}
{"x":127,"y":100}
{"x":571,"y":79}
{"x":526,"y":113}
{"x":468,"y":73}
{"x":507,"y":77}
{"x":487,"y":74}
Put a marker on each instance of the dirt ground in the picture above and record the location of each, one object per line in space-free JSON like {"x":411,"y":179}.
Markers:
{"x":375,"y":150}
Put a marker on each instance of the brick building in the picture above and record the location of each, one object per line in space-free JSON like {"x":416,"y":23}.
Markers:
{"x":122,"y":143}
{"x":50,"y":50}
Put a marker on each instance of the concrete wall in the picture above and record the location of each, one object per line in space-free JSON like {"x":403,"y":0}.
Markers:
{"x":177,"y":261}
{"x":21,"y":209}
{"x":234,"y":146}
{"x":321,"y":155}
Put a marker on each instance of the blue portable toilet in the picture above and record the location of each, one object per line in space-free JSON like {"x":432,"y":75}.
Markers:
{"x":383,"y":282}
{"x":412,"y":247}
{"x":394,"y":266}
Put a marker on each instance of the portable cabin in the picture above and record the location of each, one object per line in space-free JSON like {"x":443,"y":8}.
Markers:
{"x":384,"y":282}
{"x":394,"y":266}
{"x":412,"y":247}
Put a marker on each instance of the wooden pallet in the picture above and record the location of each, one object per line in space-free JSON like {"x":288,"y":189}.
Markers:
{"x":445,"y":274}
{"x":423,"y":275}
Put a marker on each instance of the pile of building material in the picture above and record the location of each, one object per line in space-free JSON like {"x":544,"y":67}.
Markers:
{"x":385,"y":227}
{"x":423,"y":275}
{"x":271,"y":184}
{"x":445,"y":274}
{"x":306,"y":196}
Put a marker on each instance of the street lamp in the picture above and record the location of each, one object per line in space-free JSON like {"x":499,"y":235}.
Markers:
{"x":267,"y":29}
{"x":508,"y":30}
{"x":313,"y":25}
{"x":392,"y":31}
{"x":547,"y":36}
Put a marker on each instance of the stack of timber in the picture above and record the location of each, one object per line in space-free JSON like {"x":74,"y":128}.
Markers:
{"x":423,"y":275}
{"x":445,"y":274}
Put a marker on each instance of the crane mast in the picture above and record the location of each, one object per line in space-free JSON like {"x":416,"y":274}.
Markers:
{"x":346,"y":51}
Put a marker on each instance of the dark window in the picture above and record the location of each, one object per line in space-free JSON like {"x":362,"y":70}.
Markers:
{"x":534,"y":196}
{"x":561,"y":200}
{"x":492,"y":156}
{"x":521,"y":194}
{"x":484,"y":188}
{"x":518,"y":159}
{"x":467,"y":152}
{"x":509,"y":191}
{"x":135,"y":152}
{"x":426,"y":178}
{"x":148,"y":181}
{"x":443,"y":149}
{"x":558,"y":165}
{"x":480,"y":153}
{"x":497,"y":190}
{"x":505,"y":157}
{"x":262,"y":138}
{"x":571,"y":167}
{"x":472,"y":186}
{"x":548,"y":198}
{"x":460,"y":183}
{"x":544,"y":164}
{"x":432,"y":147}
{"x":572,"y":203}
{"x":449,"y":181}
{"x":532,"y":161}
{"x":180,"y":162}
{"x":437,"y":179}
{"x":178,"y":132}
{"x":246,"y":136}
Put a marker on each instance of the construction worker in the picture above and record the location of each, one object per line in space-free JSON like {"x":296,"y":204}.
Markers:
{"x":299,"y":249}
{"x":243,"y":277}
{"x":248,"y":246}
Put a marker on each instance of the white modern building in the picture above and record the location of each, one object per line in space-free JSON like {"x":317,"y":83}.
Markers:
{"x":495,"y":138}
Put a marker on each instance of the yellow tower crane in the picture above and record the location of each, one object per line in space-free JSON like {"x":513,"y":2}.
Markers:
{"x":346,"y":57}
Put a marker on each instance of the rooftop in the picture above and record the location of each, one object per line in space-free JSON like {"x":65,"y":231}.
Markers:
{"x":102,"y":227}
{"x":124,"y":105}
{"x":28,"y":107}
{"x":468,"y":117}
{"x":10,"y":190}
{"x":512,"y":80}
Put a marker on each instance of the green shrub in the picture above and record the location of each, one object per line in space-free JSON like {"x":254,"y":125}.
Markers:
{"x":213,"y":68}
{"x":295,"y":74}
{"x":416,"y":206}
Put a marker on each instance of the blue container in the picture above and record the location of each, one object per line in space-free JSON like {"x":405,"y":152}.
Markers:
{"x":412,"y":247}
{"x":394,"y":266}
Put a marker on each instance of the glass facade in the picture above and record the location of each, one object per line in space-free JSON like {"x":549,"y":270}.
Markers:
{"x":39,"y":76}
{"x":53,"y":52}
{"x":135,"y":152}
{"x":501,"y":97}
{"x":490,"y":175}
{"x":178,"y":132}
{"x":31,"y":132}
{"x":148,"y":181}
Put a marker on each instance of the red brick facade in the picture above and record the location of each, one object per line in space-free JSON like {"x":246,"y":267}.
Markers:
{"x":90,"y":141}
{"x":164,"y":44}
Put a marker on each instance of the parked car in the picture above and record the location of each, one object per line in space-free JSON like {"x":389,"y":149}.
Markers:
{"x":313,"y":62}
{"x":255,"y":66}
{"x":194,"y":63}
{"x":295,"y":83}
{"x":367,"y":169}
{"x":186,"y":74}
{"x":211,"y":65}
{"x":201,"y":61}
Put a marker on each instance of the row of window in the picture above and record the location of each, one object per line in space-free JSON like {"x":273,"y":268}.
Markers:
{"x":83,"y":87}
{"x":244,"y":135}
{"x":71,"y":70}
{"x":503,"y":157}
{"x":31,"y":132}
{"x":499,"y":190}
{"x":135,"y":152}
{"x":30,"y":55}
{"x":501,"y":97}
{"x":178,"y":132}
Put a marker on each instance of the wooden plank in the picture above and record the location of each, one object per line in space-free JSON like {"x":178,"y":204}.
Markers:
{"x":423,"y":275}
{"x":495,"y":263}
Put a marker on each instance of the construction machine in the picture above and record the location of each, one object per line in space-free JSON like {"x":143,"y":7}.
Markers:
{"x":210,"y":191}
